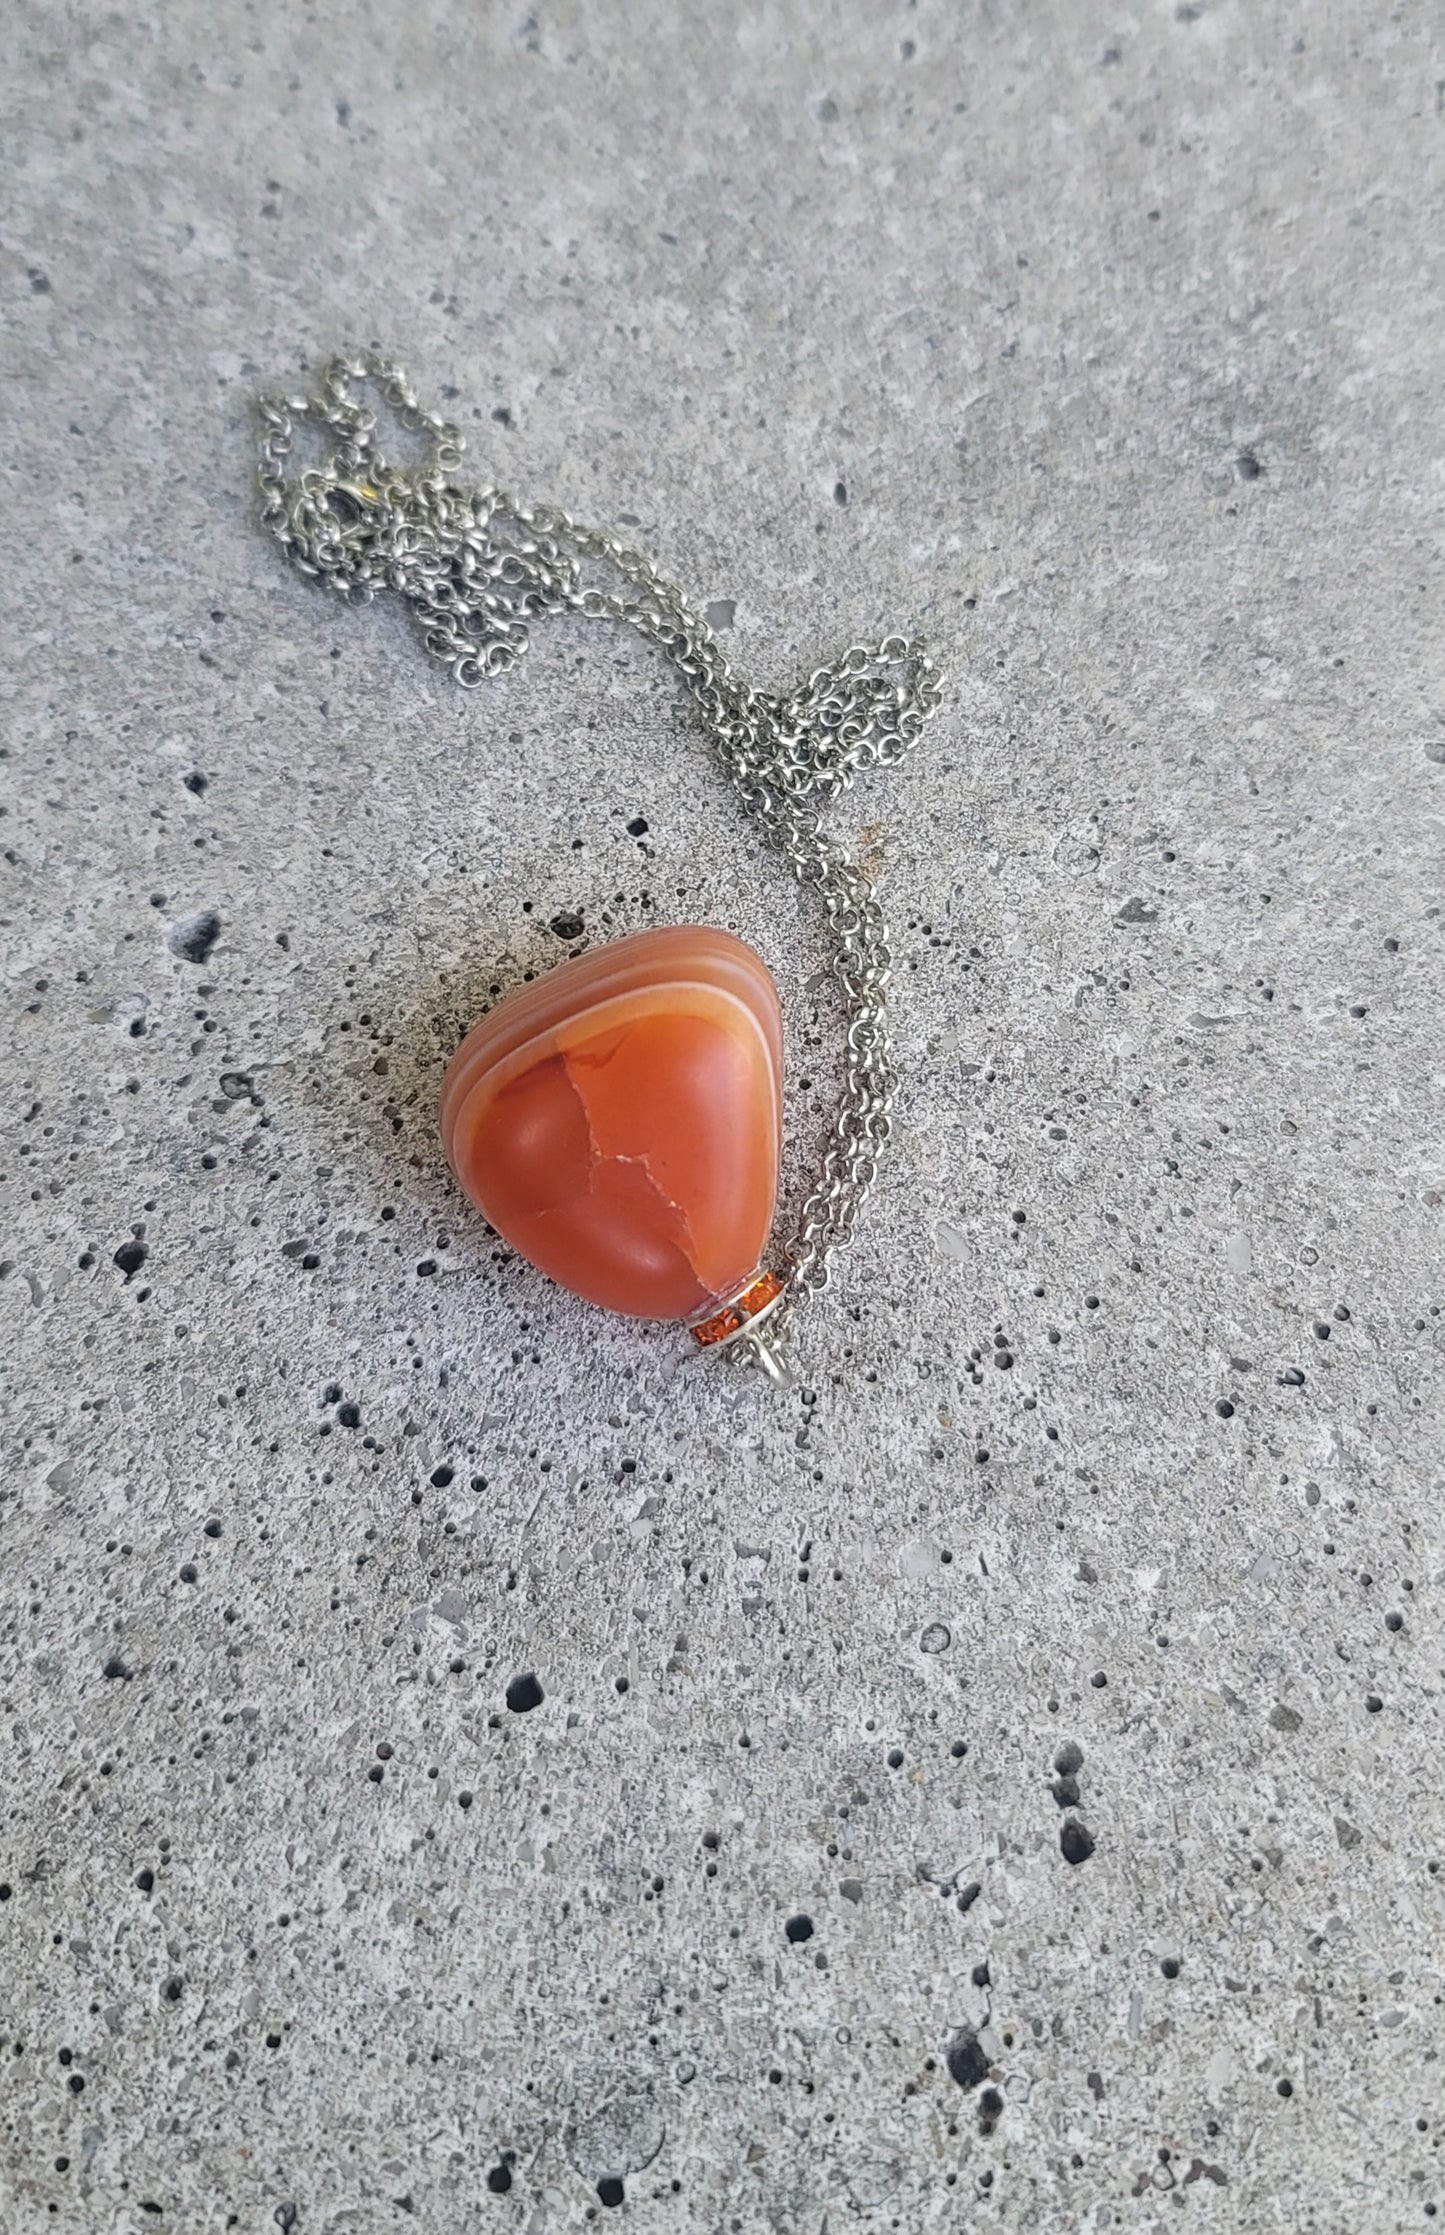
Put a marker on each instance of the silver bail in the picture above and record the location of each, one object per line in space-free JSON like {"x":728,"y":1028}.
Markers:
{"x":765,"y":1352}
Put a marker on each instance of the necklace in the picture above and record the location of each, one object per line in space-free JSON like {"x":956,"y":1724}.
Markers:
{"x":619,"y":1120}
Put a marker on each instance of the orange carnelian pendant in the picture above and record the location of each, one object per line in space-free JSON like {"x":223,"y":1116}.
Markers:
{"x":619,"y":1123}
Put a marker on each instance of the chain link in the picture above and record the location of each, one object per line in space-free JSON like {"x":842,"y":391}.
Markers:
{"x":478,"y":567}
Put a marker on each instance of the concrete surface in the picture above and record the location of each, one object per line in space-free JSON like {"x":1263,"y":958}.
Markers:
{"x":1102,"y":345}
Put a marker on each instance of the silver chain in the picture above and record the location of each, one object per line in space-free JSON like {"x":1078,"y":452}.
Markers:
{"x":478,"y":567}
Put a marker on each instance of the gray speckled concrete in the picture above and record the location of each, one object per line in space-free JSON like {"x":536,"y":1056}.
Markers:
{"x":1120,"y":328}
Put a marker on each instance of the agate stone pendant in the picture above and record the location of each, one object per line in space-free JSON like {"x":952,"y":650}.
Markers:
{"x":619,"y":1123}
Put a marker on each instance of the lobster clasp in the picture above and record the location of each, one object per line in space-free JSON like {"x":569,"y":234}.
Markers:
{"x":354,"y":506}
{"x":334,"y":527}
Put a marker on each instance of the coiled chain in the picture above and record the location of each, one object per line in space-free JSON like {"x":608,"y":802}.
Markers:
{"x":478,"y":567}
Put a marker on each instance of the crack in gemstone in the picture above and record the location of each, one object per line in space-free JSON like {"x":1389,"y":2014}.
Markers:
{"x":574,"y":1181}
{"x":593,"y":1056}
{"x":665,"y":1247}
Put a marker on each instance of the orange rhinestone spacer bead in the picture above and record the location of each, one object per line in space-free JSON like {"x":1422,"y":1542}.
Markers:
{"x":718,"y":1328}
{"x":763,"y":1290}
{"x":735,"y":1316}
